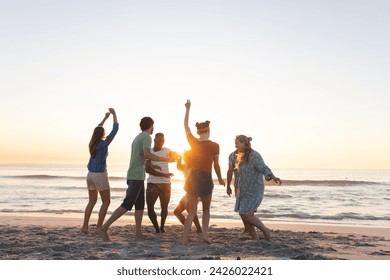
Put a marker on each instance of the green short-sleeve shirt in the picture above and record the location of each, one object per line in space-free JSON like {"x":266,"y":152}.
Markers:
{"x":136,"y":169}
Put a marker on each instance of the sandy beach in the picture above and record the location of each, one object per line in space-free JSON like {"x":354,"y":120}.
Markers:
{"x":58,"y":238}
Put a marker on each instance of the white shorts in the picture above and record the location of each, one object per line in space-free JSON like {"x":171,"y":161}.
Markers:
{"x":98,"y":181}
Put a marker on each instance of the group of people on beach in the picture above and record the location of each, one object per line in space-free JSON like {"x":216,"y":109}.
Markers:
{"x":245,"y":165}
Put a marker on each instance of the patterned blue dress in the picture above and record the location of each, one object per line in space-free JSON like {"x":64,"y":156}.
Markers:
{"x":250,"y":182}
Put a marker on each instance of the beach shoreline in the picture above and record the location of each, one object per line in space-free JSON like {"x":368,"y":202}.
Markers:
{"x":48,"y":237}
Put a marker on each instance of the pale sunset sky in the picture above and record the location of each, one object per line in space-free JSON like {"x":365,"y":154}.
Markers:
{"x":307,"y":80}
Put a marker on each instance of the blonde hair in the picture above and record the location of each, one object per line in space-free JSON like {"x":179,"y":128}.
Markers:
{"x":243,"y":157}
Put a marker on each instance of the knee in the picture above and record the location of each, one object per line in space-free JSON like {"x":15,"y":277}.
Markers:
{"x":176,"y":212}
{"x":106,"y":202}
{"x":92,"y":201}
{"x":150,"y":208}
{"x":245,"y":217}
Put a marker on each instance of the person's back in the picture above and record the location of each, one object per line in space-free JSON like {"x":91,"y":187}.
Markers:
{"x":136,"y":170}
{"x":200,"y":182}
{"x":97,"y":177}
{"x":203,"y":153}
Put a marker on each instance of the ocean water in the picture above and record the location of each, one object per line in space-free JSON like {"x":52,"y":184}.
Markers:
{"x":350,"y":197}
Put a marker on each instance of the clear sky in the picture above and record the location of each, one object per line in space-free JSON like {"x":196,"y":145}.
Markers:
{"x":307,"y":80}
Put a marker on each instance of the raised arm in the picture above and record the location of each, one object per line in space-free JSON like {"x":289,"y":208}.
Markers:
{"x":115,"y":127}
{"x":106,"y":116}
{"x":112,"y":111}
{"x":187,"y":116}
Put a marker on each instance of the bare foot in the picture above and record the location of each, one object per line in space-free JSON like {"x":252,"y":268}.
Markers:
{"x":267,"y":234}
{"x":139,"y":237}
{"x":184,"y":241}
{"x":103,"y":234}
{"x":85,"y":230}
{"x":206,"y":240}
{"x":254,"y":235}
{"x":97,"y":230}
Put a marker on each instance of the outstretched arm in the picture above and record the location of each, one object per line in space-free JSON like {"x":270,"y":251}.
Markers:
{"x":149,"y":155}
{"x":275,"y":179}
{"x":150,"y":170}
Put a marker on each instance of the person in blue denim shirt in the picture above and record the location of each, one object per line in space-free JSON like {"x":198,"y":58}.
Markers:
{"x":97,"y":178}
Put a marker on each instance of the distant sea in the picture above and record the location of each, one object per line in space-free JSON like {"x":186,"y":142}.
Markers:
{"x":348,"y":197}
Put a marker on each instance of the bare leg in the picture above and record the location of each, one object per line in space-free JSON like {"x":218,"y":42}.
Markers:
{"x":138,"y":223}
{"x":106,"y":200}
{"x":206,"y":202}
{"x":115,"y":216}
{"x":92,"y":198}
{"x":178,"y":212}
{"x":249,"y":229}
{"x":197,"y":224}
{"x":151,"y":198}
{"x":252,"y":231}
{"x":255,"y":221}
{"x":192,"y":209}
{"x":165,"y":197}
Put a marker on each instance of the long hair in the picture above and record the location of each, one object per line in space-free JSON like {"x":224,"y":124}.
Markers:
{"x":243,"y":157}
{"x":98,"y":134}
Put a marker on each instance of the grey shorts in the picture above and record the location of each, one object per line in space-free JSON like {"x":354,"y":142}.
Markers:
{"x":200,"y":183}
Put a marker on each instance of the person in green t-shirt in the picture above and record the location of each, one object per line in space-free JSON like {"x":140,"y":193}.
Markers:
{"x":135,"y":194}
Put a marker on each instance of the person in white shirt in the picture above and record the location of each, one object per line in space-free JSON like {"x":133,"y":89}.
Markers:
{"x":159,"y":183}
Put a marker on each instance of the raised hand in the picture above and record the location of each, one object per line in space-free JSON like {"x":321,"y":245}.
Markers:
{"x":188,"y":104}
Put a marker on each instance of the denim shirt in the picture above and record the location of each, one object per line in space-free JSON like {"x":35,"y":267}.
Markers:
{"x":98,"y":163}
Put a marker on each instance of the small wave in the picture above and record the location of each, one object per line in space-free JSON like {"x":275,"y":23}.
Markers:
{"x":51,"y":177}
{"x":45,"y":177}
{"x":45,"y":211}
{"x":275,"y":195}
{"x":286,"y":182}
{"x":335,"y":183}
{"x":338,"y":217}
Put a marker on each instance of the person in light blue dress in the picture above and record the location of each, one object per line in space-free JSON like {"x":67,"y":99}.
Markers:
{"x":251,"y":171}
